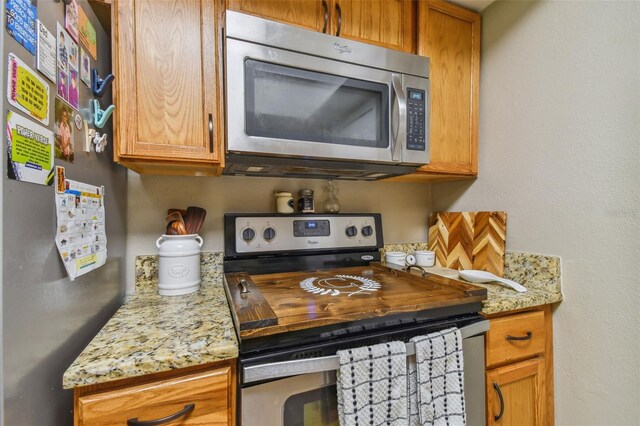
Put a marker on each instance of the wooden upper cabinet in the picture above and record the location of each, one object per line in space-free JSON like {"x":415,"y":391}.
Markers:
{"x":167,"y":90}
{"x":515,"y":394}
{"x":388,"y":23}
{"x":303,"y":13}
{"x":450,"y":36}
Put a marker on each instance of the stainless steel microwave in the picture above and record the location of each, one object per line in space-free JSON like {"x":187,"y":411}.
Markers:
{"x":305,"y":104}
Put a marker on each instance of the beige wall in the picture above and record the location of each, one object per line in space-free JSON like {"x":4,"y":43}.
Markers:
{"x":404,"y":206}
{"x":560,"y":152}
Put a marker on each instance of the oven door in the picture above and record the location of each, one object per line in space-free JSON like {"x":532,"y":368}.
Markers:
{"x":310,"y":398}
{"x":283,"y":103}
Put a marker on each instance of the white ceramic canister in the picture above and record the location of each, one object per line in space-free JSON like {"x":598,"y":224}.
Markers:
{"x":396,"y":257}
{"x":284,"y":202}
{"x":179,"y":264}
{"x":425,"y":258}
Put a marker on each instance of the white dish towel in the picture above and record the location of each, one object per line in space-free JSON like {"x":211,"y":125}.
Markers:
{"x":436,"y":380}
{"x":372,"y":385}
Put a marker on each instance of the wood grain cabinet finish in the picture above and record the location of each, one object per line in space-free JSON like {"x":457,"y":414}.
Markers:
{"x":519,"y":367}
{"x":309,"y":14}
{"x":515,"y":394}
{"x":515,"y":337}
{"x":211,"y":394}
{"x":388,"y":23}
{"x":167,"y":62}
{"x":450,"y":36}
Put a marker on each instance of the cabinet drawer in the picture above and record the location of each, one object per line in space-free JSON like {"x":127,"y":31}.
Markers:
{"x":208,"y":391}
{"x":515,"y":337}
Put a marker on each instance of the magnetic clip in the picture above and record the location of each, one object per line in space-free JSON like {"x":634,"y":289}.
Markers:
{"x":99,"y":85}
{"x":101,"y":116}
{"x":99,"y":141}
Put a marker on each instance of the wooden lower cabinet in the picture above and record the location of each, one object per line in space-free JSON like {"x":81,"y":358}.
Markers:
{"x":202,"y":398}
{"x":519,"y":368}
{"x":515,"y":394}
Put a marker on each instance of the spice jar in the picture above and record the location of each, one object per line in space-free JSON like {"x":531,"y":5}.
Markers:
{"x":305,"y":201}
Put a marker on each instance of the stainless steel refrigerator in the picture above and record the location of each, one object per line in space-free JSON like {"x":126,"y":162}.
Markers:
{"x":48,"y":319}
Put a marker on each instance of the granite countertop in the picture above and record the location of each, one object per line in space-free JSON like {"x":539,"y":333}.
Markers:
{"x":539,"y":273}
{"x":151,"y":333}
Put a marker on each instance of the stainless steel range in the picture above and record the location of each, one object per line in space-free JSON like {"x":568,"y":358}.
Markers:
{"x":302,"y":287}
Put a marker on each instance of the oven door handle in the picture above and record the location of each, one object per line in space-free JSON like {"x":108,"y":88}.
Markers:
{"x":401,"y":134}
{"x":275,"y":370}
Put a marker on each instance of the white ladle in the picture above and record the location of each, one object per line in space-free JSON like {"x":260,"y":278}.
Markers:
{"x":476,"y":276}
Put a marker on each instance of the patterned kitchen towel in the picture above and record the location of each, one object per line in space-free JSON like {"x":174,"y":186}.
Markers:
{"x":437,"y":372}
{"x":372,"y":385}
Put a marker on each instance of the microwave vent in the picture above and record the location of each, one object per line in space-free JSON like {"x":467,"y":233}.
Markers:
{"x":296,"y":170}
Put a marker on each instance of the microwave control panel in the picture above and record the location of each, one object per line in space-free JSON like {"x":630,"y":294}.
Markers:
{"x":416,"y":106}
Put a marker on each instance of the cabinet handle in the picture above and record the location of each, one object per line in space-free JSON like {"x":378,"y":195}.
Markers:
{"x":211,"y":133}
{"x":326,"y":16}
{"x":527,"y":337}
{"x":499,"y":392}
{"x":186,"y":410}
{"x":339,"y":10}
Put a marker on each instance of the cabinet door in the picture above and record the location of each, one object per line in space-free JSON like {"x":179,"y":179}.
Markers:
{"x":388,"y":23}
{"x":311,"y":14}
{"x":197,"y":399}
{"x":450,"y":36}
{"x":521,"y":386}
{"x":166,"y":57}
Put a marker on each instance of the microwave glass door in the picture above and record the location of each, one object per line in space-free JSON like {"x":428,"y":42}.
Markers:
{"x":299,"y":105}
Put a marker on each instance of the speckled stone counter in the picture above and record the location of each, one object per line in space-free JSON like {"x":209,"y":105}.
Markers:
{"x":540,"y":274}
{"x":151,"y":333}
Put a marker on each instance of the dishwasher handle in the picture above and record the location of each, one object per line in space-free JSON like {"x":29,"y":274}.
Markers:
{"x":276,"y":370}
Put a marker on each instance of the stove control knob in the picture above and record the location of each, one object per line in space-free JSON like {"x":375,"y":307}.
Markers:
{"x":248,"y":234}
{"x":367,"y":231}
{"x":351,"y":231}
{"x":269,"y":234}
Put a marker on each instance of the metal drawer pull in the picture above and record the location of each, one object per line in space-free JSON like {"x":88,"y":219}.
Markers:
{"x":408,"y":269}
{"x":527,"y":337}
{"x":497,"y":388}
{"x":326,"y":16}
{"x":339,"y":10}
{"x":186,"y":410}
{"x":211,"y":133}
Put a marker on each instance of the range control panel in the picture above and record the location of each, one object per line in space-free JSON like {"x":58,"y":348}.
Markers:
{"x":416,"y":107}
{"x":246,"y":234}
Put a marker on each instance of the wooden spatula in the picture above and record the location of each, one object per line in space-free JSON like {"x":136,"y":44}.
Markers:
{"x":194,"y":219}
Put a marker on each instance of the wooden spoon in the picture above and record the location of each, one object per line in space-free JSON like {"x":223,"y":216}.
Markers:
{"x":170,"y":230}
{"x":174,"y":216}
{"x":178,"y":226}
{"x":195,"y":219}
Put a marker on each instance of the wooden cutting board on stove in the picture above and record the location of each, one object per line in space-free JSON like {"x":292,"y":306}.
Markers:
{"x":290,"y":301}
{"x":469,"y":240}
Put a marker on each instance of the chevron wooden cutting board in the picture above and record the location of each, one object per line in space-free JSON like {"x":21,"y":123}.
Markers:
{"x":469,"y":240}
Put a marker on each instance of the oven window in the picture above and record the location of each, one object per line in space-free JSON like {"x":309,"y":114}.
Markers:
{"x":295,"y":104}
{"x":318,"y":407}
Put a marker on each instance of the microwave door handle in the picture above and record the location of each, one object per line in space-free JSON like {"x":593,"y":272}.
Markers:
{"x":276,"y":370}
{"x":401,"y":135}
